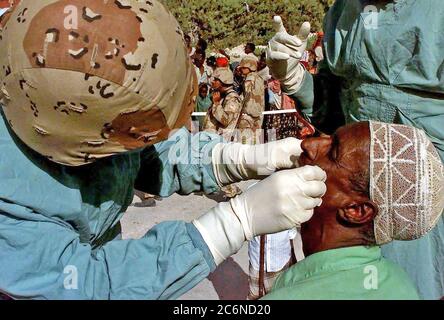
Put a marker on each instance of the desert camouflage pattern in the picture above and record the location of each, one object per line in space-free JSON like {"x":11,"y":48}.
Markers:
{"x":250,"y":62}
{"x":254,"y":105}
{"x":82,"y":80}
{"x":223,"y":117}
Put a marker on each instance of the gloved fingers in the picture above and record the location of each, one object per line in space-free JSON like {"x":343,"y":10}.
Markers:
{"x":312,"y":173}
{"x":314,"y":189}
{"x":304,"y":31}
{"x":288,"y":40}
{"x":273,"y":55}
{"x":292,"y":146}
{"x":278,"y":24}
{"x":310,"y":203}
{"x":292,"y":52}
{"x":286,"y":153}
{"x":301,"y":217}
{"x":282,"y":35}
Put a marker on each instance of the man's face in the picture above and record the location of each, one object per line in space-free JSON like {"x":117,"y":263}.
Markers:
{"x":198,"y":60}
{"x":216,"y":84}
{"x":245,"y":71}
{"x":342,"y":156}
{"x":248,"y":49}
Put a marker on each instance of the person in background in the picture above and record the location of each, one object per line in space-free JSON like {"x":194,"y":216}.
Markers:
{"x":250,"y":123}
{"x":250,"y":48}
{"x":202,"y":71}
{"x":278,"y":249}
{"x":262,"y":68}
{"x":223,"y":115}
{"x":203,"y":103}
{"x":191,"y":50}
{"x":278,"y":257}
{"x":222,"y":62}
{"x":202,"y":45}
{"x":279,"y":126}
{"x":211,"y":65}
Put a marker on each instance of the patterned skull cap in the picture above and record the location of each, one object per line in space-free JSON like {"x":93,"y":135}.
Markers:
{"x":406,"y":182}
{"x":82,"y":80}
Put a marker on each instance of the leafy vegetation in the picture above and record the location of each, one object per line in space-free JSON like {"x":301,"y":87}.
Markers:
{"x":228,"y":23}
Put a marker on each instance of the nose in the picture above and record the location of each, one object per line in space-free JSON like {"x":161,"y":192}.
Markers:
{"x":314,"y":147}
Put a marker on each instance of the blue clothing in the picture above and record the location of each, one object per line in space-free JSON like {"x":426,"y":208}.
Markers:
{"x":57,"y":223}
{"x":386,"y":66}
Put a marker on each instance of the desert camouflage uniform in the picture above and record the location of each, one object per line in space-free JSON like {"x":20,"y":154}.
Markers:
{"x":224,"y":116}
{"x":254,"y":104}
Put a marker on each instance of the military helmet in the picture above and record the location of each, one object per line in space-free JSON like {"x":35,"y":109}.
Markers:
{"x":82,"y":80}
{"x":249,"y":62}
{"x":225,"y":75}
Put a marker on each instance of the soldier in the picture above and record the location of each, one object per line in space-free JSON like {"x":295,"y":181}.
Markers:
{"x":223,"y":116}
{"x":227,"y":104}
{"x":254,"y":101}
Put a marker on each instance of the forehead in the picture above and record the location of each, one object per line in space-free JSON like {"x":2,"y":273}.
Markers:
{"x":354,"y":134}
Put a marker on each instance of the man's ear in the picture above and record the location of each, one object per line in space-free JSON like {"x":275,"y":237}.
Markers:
{"x":359,"y":213}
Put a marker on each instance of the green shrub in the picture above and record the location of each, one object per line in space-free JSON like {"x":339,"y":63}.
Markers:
{"x":226,"y":23}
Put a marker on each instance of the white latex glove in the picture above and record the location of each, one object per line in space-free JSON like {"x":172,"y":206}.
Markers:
{"x":284,"y":54}
{"x":280,"y":202}
{"x":234,"y":162}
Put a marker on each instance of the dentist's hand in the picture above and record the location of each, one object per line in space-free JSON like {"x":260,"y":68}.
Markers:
{"x":284,"y":54}
{"x":234,"y":162}
{"x":280,"y":202}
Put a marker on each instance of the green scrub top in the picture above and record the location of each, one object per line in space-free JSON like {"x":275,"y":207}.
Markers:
{"x":386,"y":65}
{"x":59,"y":226}
{"x":355,"y":273}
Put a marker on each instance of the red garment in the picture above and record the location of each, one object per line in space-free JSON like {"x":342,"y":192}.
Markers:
{"x":222,"y":62}
{"x":4,"y":4}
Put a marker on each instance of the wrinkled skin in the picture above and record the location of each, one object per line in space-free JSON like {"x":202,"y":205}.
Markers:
{"x":345,"y":212}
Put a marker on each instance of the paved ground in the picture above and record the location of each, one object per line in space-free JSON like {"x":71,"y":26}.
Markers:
{"x":229,"y":281}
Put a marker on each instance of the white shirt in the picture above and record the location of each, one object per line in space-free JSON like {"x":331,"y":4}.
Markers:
{"x":277,"y":250}
{"x":204,"y":77}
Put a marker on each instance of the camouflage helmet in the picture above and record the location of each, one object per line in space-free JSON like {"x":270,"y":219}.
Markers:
{"x":249,"y":62}
{"x":82,"y":80}
{"x":225,"y":76}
